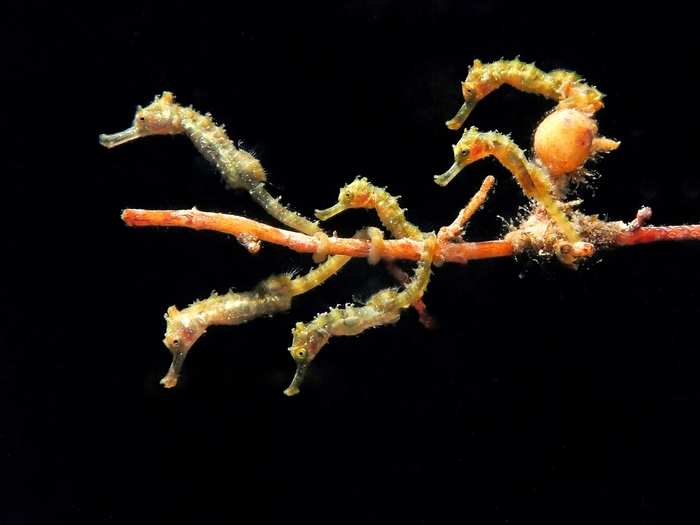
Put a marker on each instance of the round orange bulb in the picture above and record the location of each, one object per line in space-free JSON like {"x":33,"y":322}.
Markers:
{"x":564,"y":141}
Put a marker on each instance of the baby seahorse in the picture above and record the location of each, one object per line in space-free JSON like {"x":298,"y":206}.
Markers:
{"x":274,"y":294}
{"x":564,"y":86}
{"x":361,"y":193}
{"x":382,"y":308}
{"x":534,"y":180}
{"x":239,"y":169}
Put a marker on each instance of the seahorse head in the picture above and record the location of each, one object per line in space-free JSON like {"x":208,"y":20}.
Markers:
{"x":471,"y":147}
{"x":182,"y":331}
{"x":357,"y":194}
{"x":307,"y":341}
{"x":475,"y":87}
{"x":160,"y":117}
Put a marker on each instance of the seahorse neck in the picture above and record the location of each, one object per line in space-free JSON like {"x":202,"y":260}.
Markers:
{"x":214,"y":144}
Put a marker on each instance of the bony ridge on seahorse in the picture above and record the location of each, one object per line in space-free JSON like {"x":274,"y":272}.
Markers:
{"x":384,"y":307}
{"x":272,"y":295}
{"x":239,"y":169}
{"x":561,"y":85}
{"x":361,"y":193}
{"x":534,"y":181}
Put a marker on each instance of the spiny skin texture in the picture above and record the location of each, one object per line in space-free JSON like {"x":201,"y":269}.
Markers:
{"x":275,"y":208}
{"x":561,"y":85}
{"x":319,"y":275}
{"x":273,"y":295}
{"x":534,"y":181}
{"x":384,"y":307}
{"x":361,"y":193}
{"x":185,"y":327}
{"x":239,"y":169}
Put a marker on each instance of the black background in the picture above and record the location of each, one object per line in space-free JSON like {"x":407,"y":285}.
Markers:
{"x":545,"y":395}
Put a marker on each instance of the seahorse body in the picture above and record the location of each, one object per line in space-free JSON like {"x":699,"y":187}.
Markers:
{"x":185,"y":327}
{"x":566,"y":87}
{"x":270,"y":296}
{"x":239,"y":169}
{"x":361,"y":193}
{"x":534,"y":181}
{"x":382,"y":308}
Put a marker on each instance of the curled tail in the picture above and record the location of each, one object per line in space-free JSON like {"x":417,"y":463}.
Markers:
{"x":421,"y":276}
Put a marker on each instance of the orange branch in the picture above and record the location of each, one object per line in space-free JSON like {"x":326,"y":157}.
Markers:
{"x":690,"y":232}
{"x":392,"y":249}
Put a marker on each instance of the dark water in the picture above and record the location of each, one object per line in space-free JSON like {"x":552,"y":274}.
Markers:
{"x":545,"y":395}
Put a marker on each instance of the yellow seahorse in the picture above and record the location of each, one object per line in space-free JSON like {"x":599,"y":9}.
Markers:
{"x":361,"y":193}
{"x":272,"y":295}
{"x":384,"y":307}
{"x":534,"y":181}
{"x":239,"y":169}
{"x":561,"y":85}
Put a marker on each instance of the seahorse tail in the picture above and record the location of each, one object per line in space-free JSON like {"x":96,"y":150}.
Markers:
{"x":416,"y":288}
{"x":317,"y":276}
{"x":286,"y":216}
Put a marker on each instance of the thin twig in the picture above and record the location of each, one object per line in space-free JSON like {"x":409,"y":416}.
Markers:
{"x":393,"y":249}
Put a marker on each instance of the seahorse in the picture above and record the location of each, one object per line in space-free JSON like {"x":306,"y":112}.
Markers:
{"x":239,"y":169}
{"x":533,"y":179}
{"x":361,"y":193}
{"x":382,"y":308}
{"x":270,"y":296}
{"x":566,"y":87}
